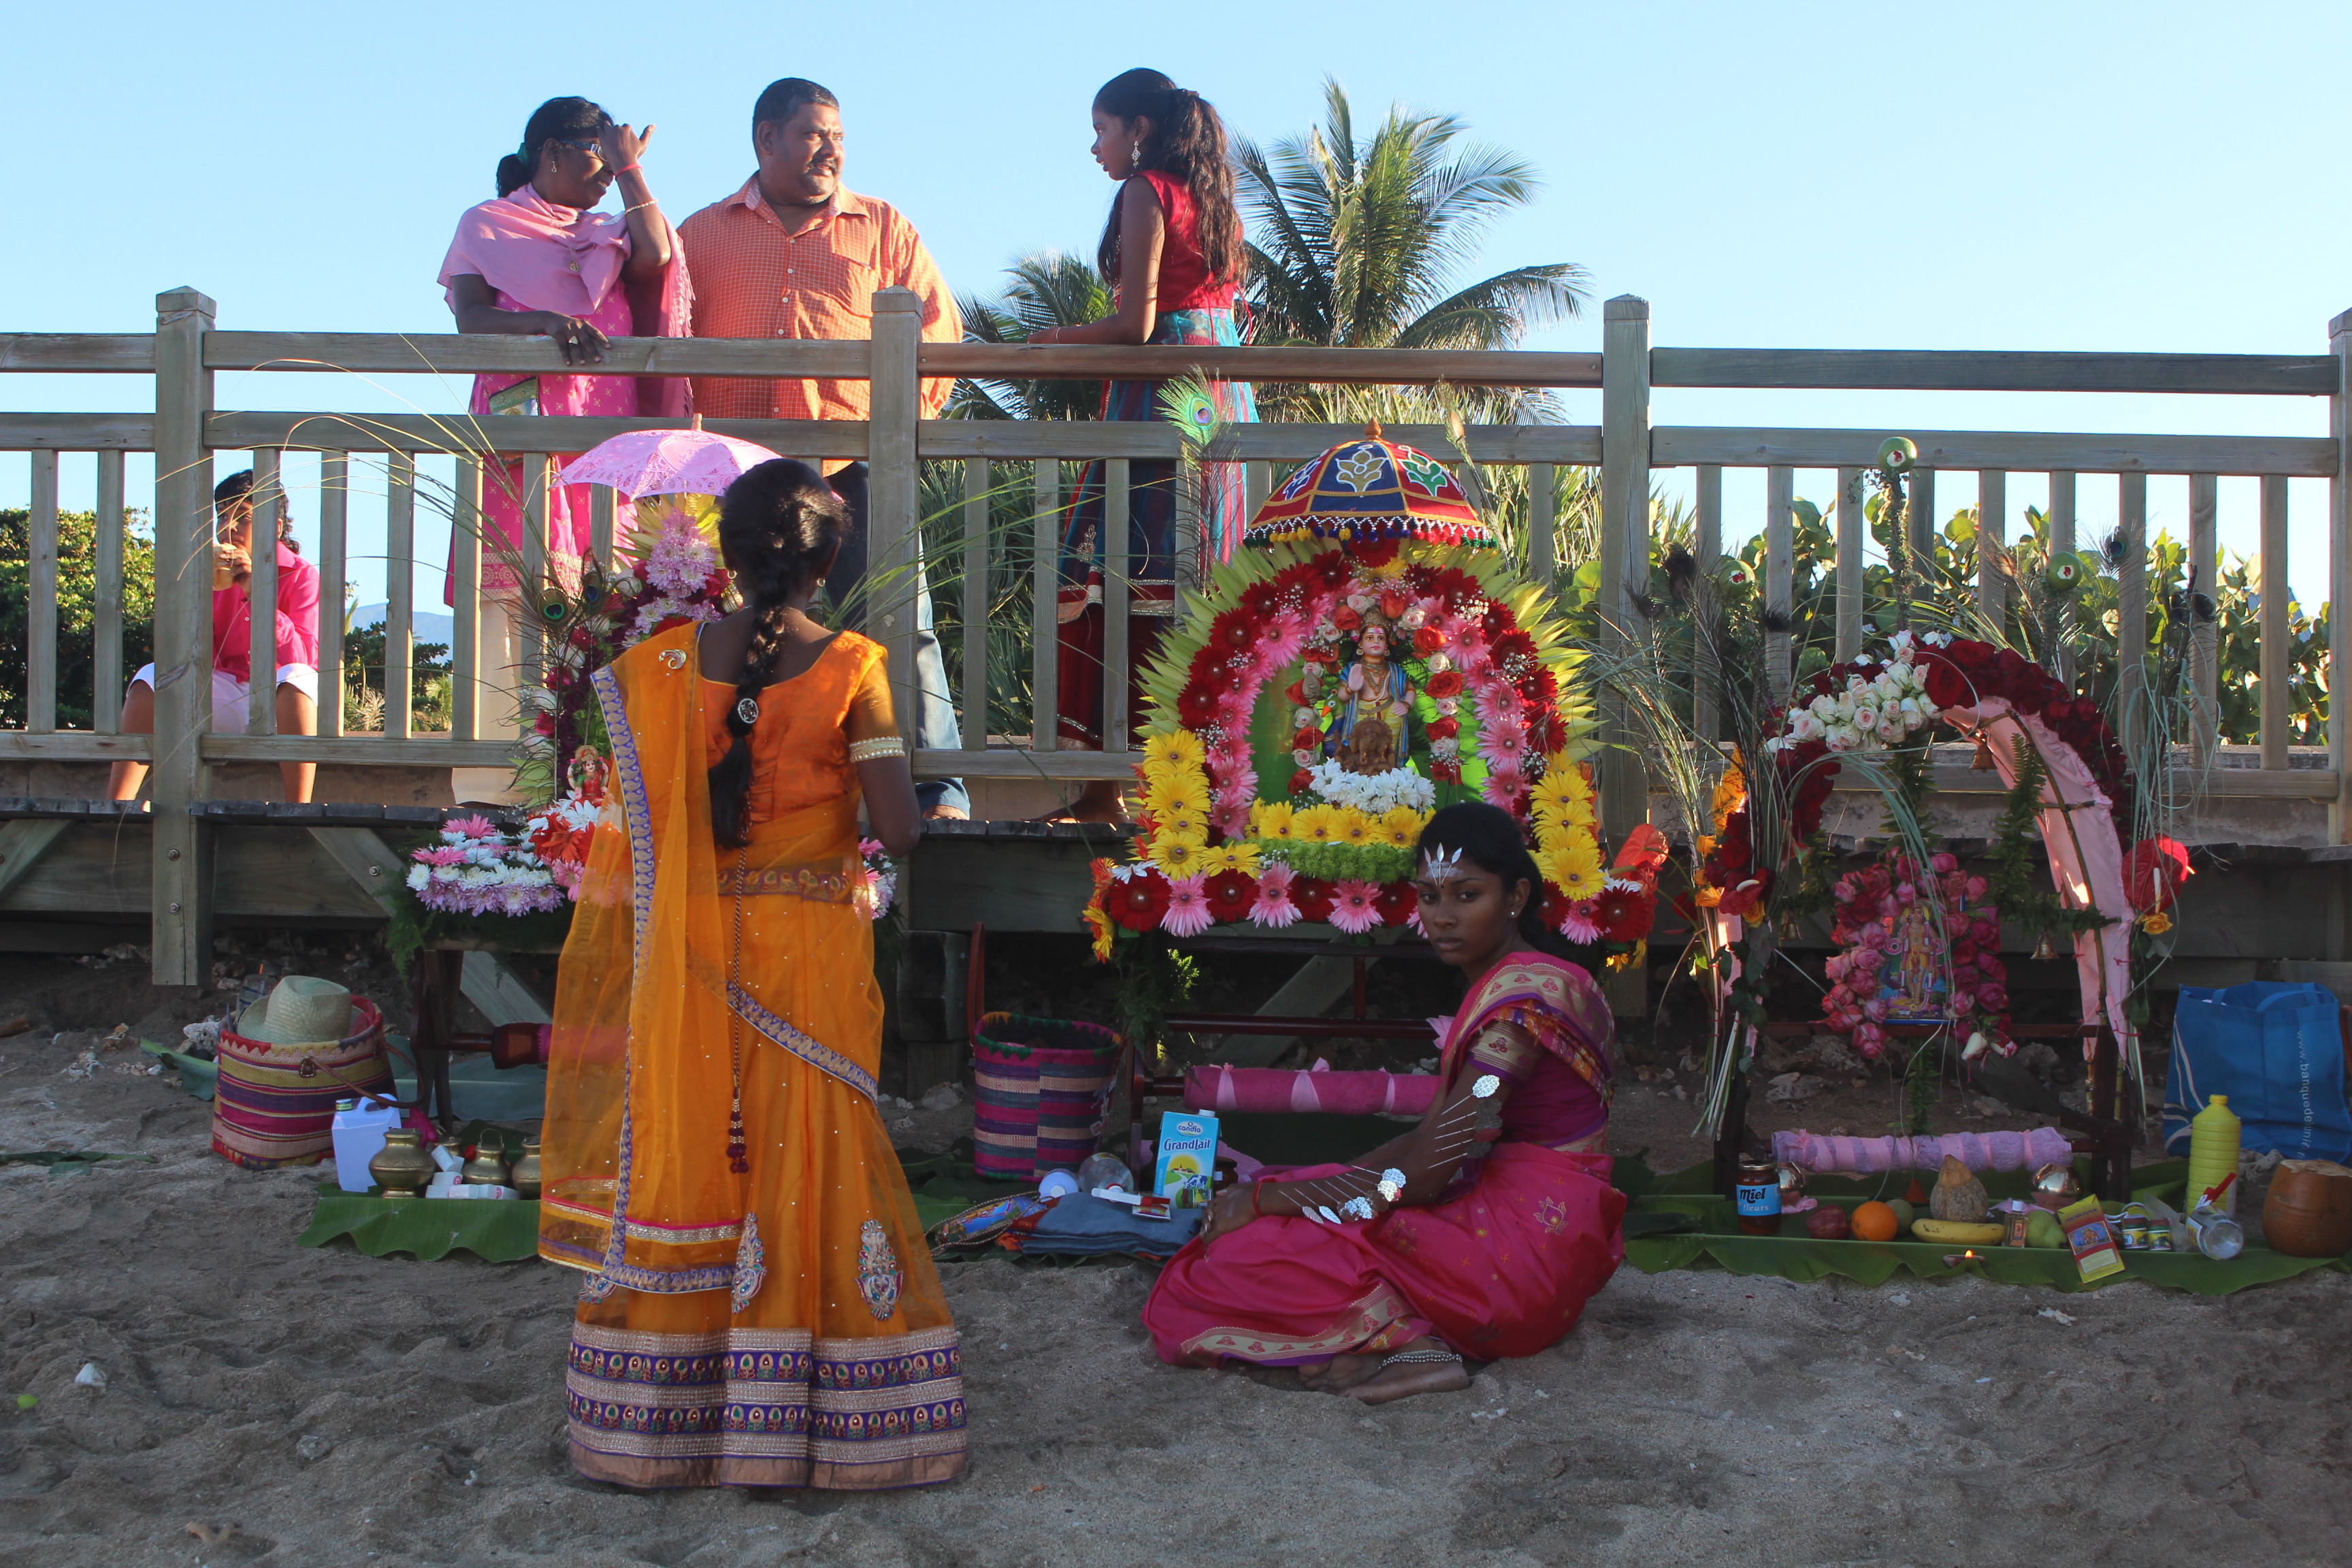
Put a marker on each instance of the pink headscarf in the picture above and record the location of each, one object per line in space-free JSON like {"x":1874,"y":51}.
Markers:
{"x":542,"y":257}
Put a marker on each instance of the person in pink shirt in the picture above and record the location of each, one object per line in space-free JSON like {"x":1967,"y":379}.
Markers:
{"x":298,"y":643}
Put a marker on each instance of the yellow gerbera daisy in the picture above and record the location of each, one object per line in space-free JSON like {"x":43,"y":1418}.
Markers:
{"x":1242,"y":858}
{"x":1176,"y":791}
{"x":1574,"y":869}
{"x":1356,"y":828}
{"x":1270,"y":821}
{"x":1100,"y":924}
{"x":1184,"y":821}
{"x":1561,"y":791}
{"x":1177,"y":853}
{"x":1181,"y":747}
{"x":1315,"y":824}
{"x":1400,"y":828}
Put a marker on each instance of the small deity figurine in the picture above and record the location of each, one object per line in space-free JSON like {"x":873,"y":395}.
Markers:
{"x":1917,"y":959}
{"x":1370,"y":736}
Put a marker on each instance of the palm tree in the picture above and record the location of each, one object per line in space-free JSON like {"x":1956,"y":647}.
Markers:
{"x":1047,"y":288}
{"x":1355,"y":241}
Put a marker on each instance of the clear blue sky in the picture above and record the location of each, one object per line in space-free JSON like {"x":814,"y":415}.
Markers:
{"x":2076,"y":176}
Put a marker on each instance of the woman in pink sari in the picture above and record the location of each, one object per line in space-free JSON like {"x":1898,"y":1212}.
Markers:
{"x":538,"y":261}
{"x":1482,"y":1232}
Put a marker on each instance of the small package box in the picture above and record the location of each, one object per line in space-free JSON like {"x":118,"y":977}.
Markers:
{"x":2092,"y":1235}
{"x":1187,"y":1164}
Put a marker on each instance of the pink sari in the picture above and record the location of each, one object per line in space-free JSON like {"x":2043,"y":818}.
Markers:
{"x":537,"y":256}
{"x":1503,"y":1269}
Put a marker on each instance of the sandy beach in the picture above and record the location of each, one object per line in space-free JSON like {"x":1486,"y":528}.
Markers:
{"x":336,"y":1408}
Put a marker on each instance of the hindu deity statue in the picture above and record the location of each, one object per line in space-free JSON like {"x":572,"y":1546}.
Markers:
{"x":1916,"y":960}
{"x":1369,"y":735}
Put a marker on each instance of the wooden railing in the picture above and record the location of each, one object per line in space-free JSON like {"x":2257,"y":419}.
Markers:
{"x":185,"y":353}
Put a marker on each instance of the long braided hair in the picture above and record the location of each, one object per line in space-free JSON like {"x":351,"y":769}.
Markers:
{"x":780,"y":525}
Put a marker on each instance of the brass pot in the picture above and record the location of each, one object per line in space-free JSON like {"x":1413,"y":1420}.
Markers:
{"x":402,"y":1167}
{"x":487,"y":1168}
{"x":524,"y":1179}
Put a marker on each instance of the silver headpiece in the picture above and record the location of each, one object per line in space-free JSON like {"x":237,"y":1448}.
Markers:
{"x":1440,"y":865}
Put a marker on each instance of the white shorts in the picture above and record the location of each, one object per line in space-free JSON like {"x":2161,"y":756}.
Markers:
{"x":232,"y":698}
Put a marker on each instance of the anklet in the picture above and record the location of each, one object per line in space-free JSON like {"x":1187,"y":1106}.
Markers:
{"x":1402,"y":1357}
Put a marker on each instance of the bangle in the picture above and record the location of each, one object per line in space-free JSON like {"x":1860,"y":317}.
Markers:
{"x":620,"y":169}
{"x":640,"y":207}
{"x":874,"y":750}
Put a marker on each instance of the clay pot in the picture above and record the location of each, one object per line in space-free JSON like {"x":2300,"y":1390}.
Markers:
{"x":2309,"y":1211}
{"x":402,"y":1167}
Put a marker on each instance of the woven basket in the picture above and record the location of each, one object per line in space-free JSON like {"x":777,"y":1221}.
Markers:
{"x":1043,"y":1092}
{"x":275,"y":1105}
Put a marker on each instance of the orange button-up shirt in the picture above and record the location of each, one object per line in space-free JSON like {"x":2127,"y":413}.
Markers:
{"x":751,"y":279}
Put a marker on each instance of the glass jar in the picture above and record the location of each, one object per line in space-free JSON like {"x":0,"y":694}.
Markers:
{"x":1756,"y":1196}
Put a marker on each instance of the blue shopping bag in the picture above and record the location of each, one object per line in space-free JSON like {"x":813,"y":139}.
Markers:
{"x":2276,"y":1049}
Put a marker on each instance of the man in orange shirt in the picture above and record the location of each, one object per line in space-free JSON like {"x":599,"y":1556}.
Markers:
{"x":793,"y":254}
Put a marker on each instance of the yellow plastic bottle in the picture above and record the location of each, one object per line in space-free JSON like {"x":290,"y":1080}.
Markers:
{"x":2213,"y":1154}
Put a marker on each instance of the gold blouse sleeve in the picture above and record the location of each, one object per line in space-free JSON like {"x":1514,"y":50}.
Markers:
{"x":870,"y":714}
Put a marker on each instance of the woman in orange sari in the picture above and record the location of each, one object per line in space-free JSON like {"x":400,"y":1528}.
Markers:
{"x":760,"y":1309}
{"x":1481,"y":1233}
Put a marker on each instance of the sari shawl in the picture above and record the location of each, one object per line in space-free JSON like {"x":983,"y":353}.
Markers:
{"x":778,"y":1326}
{"x":1502,"y":1267}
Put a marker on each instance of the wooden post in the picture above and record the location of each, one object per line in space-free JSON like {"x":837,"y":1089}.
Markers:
{"x":2204,"y":636}
{"x":334,"y":520}
{"x":106,"y":649}
{"x":1779,"y":577}
{"x":1707,"y":699}
{"x":1543,"y":511}
{"x":1119,"y":500}
{"x":2339,"y":580}
{"x":2131,"y":617}
{"x":1045,"y":592}
{"x":466,"y":601}
{"x":1992,"y":541}
{"x":1919,"y":538}
{"x":1625,"y":537}
{"x":181,"y":879}
{"x":2277,"y":600}
{"x":261,"y":596}
{"x":2061,"y":543}
{"x":1624,"y":554}
{"x":1853,"y":543}
{"x":400,"y":593}
{"x":975,"y":604}
{"x":893,"y":536}
{"x":41,"y":599}
{"x":600,"y":503}
{"x":538,"y":485}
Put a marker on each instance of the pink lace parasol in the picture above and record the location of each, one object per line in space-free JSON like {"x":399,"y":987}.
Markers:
{"x":666,"y":463}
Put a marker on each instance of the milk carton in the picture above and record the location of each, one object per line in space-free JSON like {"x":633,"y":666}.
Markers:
{"x":1187,"y":1158}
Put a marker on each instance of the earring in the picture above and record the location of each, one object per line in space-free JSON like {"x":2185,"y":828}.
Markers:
{"x":1135,"y":154}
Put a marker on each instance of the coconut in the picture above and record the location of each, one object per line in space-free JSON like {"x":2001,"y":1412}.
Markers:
{"x":1958,"y":1196}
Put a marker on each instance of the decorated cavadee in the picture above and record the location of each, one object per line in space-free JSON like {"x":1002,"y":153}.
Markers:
{"x":1478,"y":1233}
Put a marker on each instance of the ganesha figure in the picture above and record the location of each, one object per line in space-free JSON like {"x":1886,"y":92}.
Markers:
{"x":1370,"y":733}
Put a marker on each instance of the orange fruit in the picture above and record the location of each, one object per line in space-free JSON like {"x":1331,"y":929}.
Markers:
{"x":1873,"y":1222}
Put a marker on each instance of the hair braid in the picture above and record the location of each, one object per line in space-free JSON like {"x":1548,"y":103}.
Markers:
{"x":781,"y":524}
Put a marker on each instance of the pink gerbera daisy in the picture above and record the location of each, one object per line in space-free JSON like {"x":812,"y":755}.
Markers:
{"x":1355,"y":905}
{"x":1577,"y":924}
{"x":1188,"y":908}
{"x":1273,"y":907}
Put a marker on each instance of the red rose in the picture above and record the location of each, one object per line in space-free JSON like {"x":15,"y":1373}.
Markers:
{"x":1299,"y":780}
{"x":1346,"y":618}
{"x":1948,"y":686}
{"x":1307,"y":739}
{"x":1427,"y":640}
{"x":1396,"y":904}
{"x":1313,"y":897}
{"x":1298,"y":694}
{"x":1446,"y":683}
{"x":1444,"y":729}
{"x":1445,"y":772}
{"x":1392,"y":602}
{"x":1137,"y":901}
{"x":1230,"y":895}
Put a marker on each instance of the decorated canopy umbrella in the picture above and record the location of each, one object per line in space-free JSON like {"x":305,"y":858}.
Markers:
{"x":641,"y":463}
{"x":1366,"y":491}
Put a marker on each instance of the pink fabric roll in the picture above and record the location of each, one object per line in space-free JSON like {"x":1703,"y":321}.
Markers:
{"x":1868,"y":1156}
{"x":1281,"y":1091}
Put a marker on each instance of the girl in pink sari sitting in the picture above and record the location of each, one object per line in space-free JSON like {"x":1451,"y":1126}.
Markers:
{"x":539,"y":261}
{"x":1482,"y":1232}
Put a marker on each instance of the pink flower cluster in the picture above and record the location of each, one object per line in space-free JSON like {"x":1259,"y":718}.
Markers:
{"x":1875,"y":907}
{"x":476,"y":869}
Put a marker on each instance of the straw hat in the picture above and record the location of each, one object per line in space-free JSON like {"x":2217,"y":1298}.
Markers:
{"x":301,"y":1011}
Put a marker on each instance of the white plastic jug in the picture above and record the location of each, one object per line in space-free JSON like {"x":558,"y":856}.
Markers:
{"x":358,"y":1138}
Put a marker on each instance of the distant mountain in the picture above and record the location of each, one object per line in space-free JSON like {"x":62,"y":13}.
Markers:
{"x":424,"y":625}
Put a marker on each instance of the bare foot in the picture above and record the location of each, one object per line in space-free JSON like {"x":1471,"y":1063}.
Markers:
{"x":1340,"y":1374}
{"x":1408,"y":1378}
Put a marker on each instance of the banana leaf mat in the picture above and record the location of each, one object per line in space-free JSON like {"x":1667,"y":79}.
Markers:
{"x":498,"y":1230}
{"x":1704,"y":1234}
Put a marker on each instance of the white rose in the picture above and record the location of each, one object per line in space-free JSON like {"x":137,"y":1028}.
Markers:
{"x":1865,"y":717}
{"x":1439,"y":664}
{"x":1823,"y":708}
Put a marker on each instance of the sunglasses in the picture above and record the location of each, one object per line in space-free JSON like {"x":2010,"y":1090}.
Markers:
{"x":593,"y":149}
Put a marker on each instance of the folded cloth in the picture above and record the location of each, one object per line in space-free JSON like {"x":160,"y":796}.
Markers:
{"x":1083,"y":1225}
{"x":1867,"y":1156}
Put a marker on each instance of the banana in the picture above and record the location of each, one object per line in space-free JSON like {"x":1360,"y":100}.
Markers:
{"x":1956,"y":1230}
